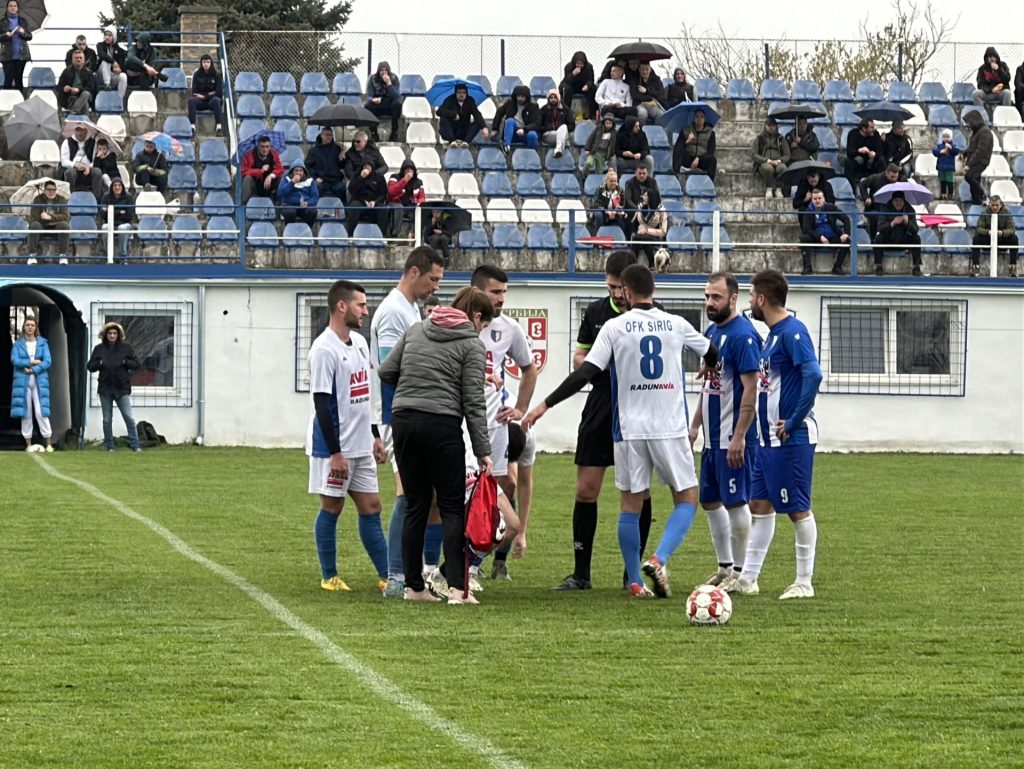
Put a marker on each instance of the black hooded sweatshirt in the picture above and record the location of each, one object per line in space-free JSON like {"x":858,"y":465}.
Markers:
{"x":586,"y":76}
{"x":989,"y":78}
{"x":531,"y":115}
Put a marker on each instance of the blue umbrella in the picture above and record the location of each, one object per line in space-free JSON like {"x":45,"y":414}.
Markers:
{"x":442,"y":89}
{"x":885,"y":111}
{"x":164,"y":142}
{"x":277,"y":142}
{"x":681,"y":115}
{"x":915,"y":194}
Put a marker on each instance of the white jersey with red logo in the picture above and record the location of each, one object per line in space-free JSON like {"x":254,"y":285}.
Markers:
{"x":343,"y":370}
{"x":504,"y":336}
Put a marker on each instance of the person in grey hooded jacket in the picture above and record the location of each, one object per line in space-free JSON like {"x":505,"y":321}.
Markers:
{"x":384,"y":98}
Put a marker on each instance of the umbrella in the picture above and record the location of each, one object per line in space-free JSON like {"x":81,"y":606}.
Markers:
{"x":937,"y":220}
{"x":165,"y":143}
{"x":93,"y":131}
{"x":604,"y":241}
{"x":885,"y":111}
{"x":641,"y":50}
{"x":799,"y":170}
{"x":681,"y":115}
{"x":343,"y":114}
{"x":459,"y":218}
{"x":915,"y":194}
{"x":277,"y":142}
{"x":23,"y":196}
{"x":442,"y":89}
{"x":793,"y":111}
{"x":34,"y":13}
{"x":32,"y":119}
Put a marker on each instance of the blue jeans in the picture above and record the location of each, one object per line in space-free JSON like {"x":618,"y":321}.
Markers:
{"x":509,"y":129}
{"x":124,"y":405}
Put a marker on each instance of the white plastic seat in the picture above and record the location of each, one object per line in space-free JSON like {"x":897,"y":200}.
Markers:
{"x":433,"y":185}
{"x":473,"y":206}
{"x":393,"y":155}
{"x":1006,"y":117}
{"x":918,"y":118}
{"x":924,"y":165}
{"x":114,"y":126}
{"x":421,"y":133}
{"x":416,"y":108}
{"x":488,"y":109}
{"x":998,"y":168}
{"x":562,"y":212}
{"x":142,"y":103}
{"x":44,"y":152}
{"x":151,"y":204}
{"x":952,"y":210}
{"x":536,"y":211}
{"x":463,"y":184}
{"x":426,"y":159}
{"x":9,"y":98}
{"x":1013,"y":142}
{"x":502,"y":211}
{"x":1007,"y":190}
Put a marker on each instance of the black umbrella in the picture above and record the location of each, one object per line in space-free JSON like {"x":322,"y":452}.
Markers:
{"x":799,"y":170}
{"x":641,"y":50}
{"x":795,"y":111}
{"x":342,"y":115}
{"x":33,"y":13}
{"x":457,"y":220}
{"x":885,"y":111}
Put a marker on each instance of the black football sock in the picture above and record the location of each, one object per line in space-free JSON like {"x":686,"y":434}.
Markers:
{"x":584,"y":527}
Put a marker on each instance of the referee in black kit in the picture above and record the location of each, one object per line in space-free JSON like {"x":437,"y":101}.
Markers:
{"x":594,"y":450}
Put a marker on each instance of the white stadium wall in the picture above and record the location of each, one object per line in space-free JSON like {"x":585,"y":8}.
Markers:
{"x":247,"y":335}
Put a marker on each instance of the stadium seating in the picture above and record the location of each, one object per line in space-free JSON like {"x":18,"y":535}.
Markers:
{"x":40,"y":78}
{"x":176,"y":79}
{"x":700,"y":186}
{"x":347,"y":84}
{"x":525,"y":160}
{"x":868,"y":91}
{"x":826,"y":139}
{"x":463,"y":184}
{"x":507,"y":237}
{"x":680,"y":239}
{"x":248,"y":83}
{"x":505,"y":85}
{"x":806,"y":91}
{"x":333,"y":236}
{"x":314,"y":84}
{"x":581,"y":135}
{"x":108,"y":103}
{"x":393,"y":156}
{"x":656,"y":137}
{"x":433,"y":185}
{"x":942,"y":116}
{"x":218,"y":203}
{"x":216,"y":177}
{"x":535,"y":211}
{"x":662,"y":161}
{"x":740,"y":89}
{"x":530,"y":184}
{"x":421,"y":133}
{"x":44,"y":152}
{"x":472,"y":205}
{"x":842,"y":188}
{"x":540,"y":85}
{"x":971,"y":218}
{"x":186,"y":229}
{"x":843,"y":115}
{"x":565,"y":185}
{"x":474,"y":239}
{"x":82,"y":204}
{"x":677,"y":211}
{"x":1006,"y":117}
{"x":952,"y":211}
{"x":284,"y":106}
{"x":482,"y":81}
{"x":312,"y":103}
{"x":774,"y":90}
{"x":901,"y":92}
{"x":152,"y":230}
{"x":497,"y":184}
{"x":668,"y":185}
{"x":329,"y":207}
{"x":260,"y":209}
{"x":178,"y":127}
{"x":221,"y":230}
{"x":9,"y":98}
{"x":213,"y":151}
{"x":281,"y":83}
{"x":962,"y":93}
{"x":541,"y":237}
{"x":707,"y":89}
{"x":703,"y":213}
{"x":262,"y":235}
{"x":298,"y":235}
{"x":292,"y":156}
{"x":924,"y":165}
{"x":502,"y":210}
{"x":933,"y":93}
{"x":973,"y":108}
{"x":838,"y":92}
{"x":13,"y":229}
{"x":564,"y":164}
{"x":707,"y":239}
{"x":957,"y":243}
{"x":458,"y":159}
{"x":416,"y":108}
{"x":410,"y":85}
{"x":1018,"y":167}
{"x":249,"y":106}
{"x":182,"y":178}
{"x":367,"y":235}
{"x":425,"y":159}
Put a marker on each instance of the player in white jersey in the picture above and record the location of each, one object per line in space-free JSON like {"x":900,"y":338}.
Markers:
{"x":643,"y":350}
{"x":424,"y":269}
{"x":503,"y":338}
{"x":341,"y":440}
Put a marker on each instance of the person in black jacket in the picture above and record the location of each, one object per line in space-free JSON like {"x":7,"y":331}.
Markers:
{"x":897,"y":226}
{"x":460,"y":118}
{"x":76,"y":87}
{"x":384,"y":98}
{"x":579,"y":83}
{"x":993,"y":81}
{"x":648,"y":93}
{"x":150,"y":167}
{"x":516,"y":121}
{"x":864,"y":153}
{"x":361,"y":151}
{"x":91,"y":59}
{"x":556,"y":123}
{"x":694,"y":150}
{"x":807,"y":186}
{"x":803,"y":142}
{"x":632,"y":149}
{"x":825,"y":226}
{"x":104,"y":168}
{"x":437,"y":233}
{"x":15,"y":32}
{"x":897,"y":148}
{"x":138,"y":64}
{"x":1018,"y":89}
{"x":114,"y":359}
{"x":868,"y":188}
{"x":111,"y":59}
{"x":207,"y":93}
{"x":367,"y":199}
{"x":679,"y":90}
{"x":124,"y":214}
{"x":326,"y":163}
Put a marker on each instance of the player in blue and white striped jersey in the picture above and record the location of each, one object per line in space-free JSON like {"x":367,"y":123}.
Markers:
{"x":726,"y":412}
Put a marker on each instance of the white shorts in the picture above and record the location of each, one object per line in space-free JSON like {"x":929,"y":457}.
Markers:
{"x":389,"y":445}
{"x":671,"y":457}
{"x":499,"y":449}
{"x":529,"y":455}
{"x":362,"y":477}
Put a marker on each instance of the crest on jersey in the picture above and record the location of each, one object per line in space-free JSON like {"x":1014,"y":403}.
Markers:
{"x":535,"y":324}
{"x":496,"y":334}
{"x":764,"y":376}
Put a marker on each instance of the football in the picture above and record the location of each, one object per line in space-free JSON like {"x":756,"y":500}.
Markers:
{"x":37,"y":448}
{"x":707,"y":605}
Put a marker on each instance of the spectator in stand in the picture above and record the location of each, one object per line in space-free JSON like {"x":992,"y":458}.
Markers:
{"x":459,"y":118}
{"x":823,"y":225}
{"x":647,"y":221}
{"x":49,"y":215}
{"x":977,"y":156}
{"x":138,"y":64}
{"x":1006,"y":237}
{"x":631,"y":73}
{"x":367,"y":199}
{"x":647,"y":94}
{"x":679,"y":90}
{"x":694,"y":150}
{"x":150,"y":168}
{"x":92,"y":62}
{"x":104,"y":168}
{"x":606,"y":207}
{"x":897,"y":226}
{"x":613,"y":95}
{"x":556,"y":123}
{"x":76,"y":153}
{"x":771,"y":156}
{"x":261,"y":171}
{"x":579,"y":82}
{"x":946,"y":153}
{"x":897,"y":148}
{"x":405,"y":194}
{"x":297,"y":195}
{"x":600,"y":147}
{"x":606,"y":71}
{"x":124,"y":214}
{"x":632,"y":149}
{"x":15,"y":33}
{"x":805,"y":189}
{"x":111,"y":59}
{"x":803,"y":142}
{"x":1018,"y":89}
{"x":437,"y":233}
{"x":326,"y":163}
{"x":993,"y":81}
{"x":361,"y":151}
{"x":76,"y":86}
{"x":517,"y":120}
{"x":869,"y":186}
{"x":30,"y":390}
{"x":207,"y":93}
{"x":864,"y":153}
{"x":384,"y":98}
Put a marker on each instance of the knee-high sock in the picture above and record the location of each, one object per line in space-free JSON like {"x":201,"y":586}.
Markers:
{"x":676,"y":527}
{"x":396,"y":523}
{"x":739,"y":524}
{"x":372,"y":535}
{"x":325,"y":534}
{"x":806,"y":544}
{"x":762,"y":529}
{"x":629,"y":544}
{"x":432,"y":544}
{"x":718,"y":523}
{"x":584,"y":527}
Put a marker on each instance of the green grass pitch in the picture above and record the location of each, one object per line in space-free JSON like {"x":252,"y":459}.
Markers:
{"x":117,"y":651}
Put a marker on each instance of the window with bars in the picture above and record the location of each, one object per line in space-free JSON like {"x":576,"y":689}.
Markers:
{"x":893,"y":346}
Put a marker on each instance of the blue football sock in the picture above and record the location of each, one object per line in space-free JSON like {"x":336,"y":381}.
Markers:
{"x":325,"y":534}
{"x":432,"y":543}
{"x":372,"y":535}
{"x":629,"y":544}
{"x":675,"y":531}
{"x":395,"y":526}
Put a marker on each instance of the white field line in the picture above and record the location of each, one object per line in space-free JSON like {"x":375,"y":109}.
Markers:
{"x":370,"y":678}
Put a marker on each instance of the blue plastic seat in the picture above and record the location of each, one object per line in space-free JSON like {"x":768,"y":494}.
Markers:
{"x":109,"y":103}
{"x":329,"y":207}
{"x":668,"y":185}
{"x":13,"y":229}
{"x":828,"y":157}
{"x":260,"y":209}
{"x":284,"y":106}
{"x":187,"y":156}
{"x":250,"y":106}
{"x":852,"y":210}
{"x":491,"y":159}
{"x":250,"y":126}
{"x":178,"y":127}
{"x":82,"y":204}
{"x":581,"y":135}
{"x":290,"y":128}
{"x":412,"y":85}
{"x":152,"y":230}
{"x":774,"y":90}
{"x":901,"y":92}
{"x":312,"y":103}
{"x":530,"y":184}
{"x":439,"y":77}
{"x":221,"y":229}
{"x":929,"y":240}
{"x":706,"y":239}
{"x":566,"y":185}
{"x":507,"y":237}
{"x":656,"y":137}
{"x":963,"y":193}
{"x":176,"y":80}
{"x":299,"y":235}
{"x":806,"y":90}
{"x":186,"y":229}
{"x":700,"y":186}
{"x":524,"y":159}
{"x":843,"y":115}
{"x":963,"y":93}
{"x":942,"y":116}
{"x":611,"y":231}
{"x":1017,"y":212}
{"x":314,"y":84}
{"x":662,"y":161}
{"x":957,"y":242}
{"x":933,"y":93}
{"x":706,"y":89}
{"x":1018,"y":167}
{"x":333,"y":236}
{"x":973,"y":213}
{"x":292,"y":155}
{"x":703,"y":213}
{"x":368,"y":235}
{"x":838,"y":92}
{"x":482,"y":81}
{"x":182,"y":178}
{"x":216,"y":178}
{"x":458,"y":159}
{"x":680,"y":239}
{"x":677,"y":212}
{"x":351,"y":100}
{"x":592,"y":183}
{"x":564,"y":164}
{"x":213,"y":151}
{"x":474,"y":239}
{"x":580,"y":232}
{"x":869,"y":91}
{"x":540,"y":85}
{"x":863,"y":239}
{"x":541,"y":237}
{"x":80,"y":229}
{"x":505,"y":85}
{"x":218,"y":203}
{"x":41,"y":77}
{"x":281,"y":83}
{"x":973,"y":108}
{"x":347,"y":84}
{"x":740,"y":89}
{"x":262,"y":235}
{"x":496,"y":184}
{"x":842,"y":188}
{"x":248,"y":82}
{"x":826,"y":138}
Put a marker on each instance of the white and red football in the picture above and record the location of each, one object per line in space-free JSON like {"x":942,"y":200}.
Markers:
{"x":707,"y":605}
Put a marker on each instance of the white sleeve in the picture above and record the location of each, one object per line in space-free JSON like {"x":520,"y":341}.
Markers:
{"x":519,"y":350}
{"x":321,"y":370}
{"x":601,"y":97}
{"x":601,"y":353}
{"x":694,"y":340}
{"x":390,"y":326}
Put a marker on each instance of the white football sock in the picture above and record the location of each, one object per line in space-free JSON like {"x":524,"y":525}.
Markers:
{"x":762,"y":529}
{"x":806,"y":544}
{"x":739,"y":523}
{"x":718,"y":522}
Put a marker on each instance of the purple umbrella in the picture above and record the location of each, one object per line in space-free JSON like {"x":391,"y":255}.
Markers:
{"x":914,"y":193}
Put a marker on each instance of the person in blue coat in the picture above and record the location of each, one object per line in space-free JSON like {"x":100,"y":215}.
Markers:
{"x":31,"y":391}
{"x":297,"y":195}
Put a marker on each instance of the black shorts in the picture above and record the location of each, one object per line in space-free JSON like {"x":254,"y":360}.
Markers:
{"x":594,"y":445}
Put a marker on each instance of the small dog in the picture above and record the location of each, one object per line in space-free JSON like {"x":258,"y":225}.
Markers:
{"x":661,"y":259}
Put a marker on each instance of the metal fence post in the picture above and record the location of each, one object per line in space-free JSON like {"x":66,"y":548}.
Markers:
{"x":369,"y":56}
{"x":716,"y":240}
{"x":417,"y":223}
{"x":572,"y":241}
{"x":853,"y":253}
{"x":502,"y":49}
{"x":110,"y":234}
{"x":767,"y":61}
{"x":993,"y":246}
{"x":899,"y":61}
